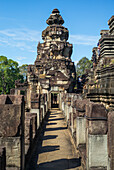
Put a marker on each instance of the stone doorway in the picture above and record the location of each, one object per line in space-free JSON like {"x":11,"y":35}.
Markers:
{"x":54,"y":100}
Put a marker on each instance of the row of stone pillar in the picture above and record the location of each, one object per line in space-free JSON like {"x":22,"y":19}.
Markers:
{"x":19,"y":129}
{"x":92,"y":130}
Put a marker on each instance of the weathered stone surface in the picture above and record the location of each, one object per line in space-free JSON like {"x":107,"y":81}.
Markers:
{"x":111,"y":138}
{"x":13,"y":151}
{"x":100,"y":85}
{"x":96,"y":110}
{"x":53,"y":68}
{"x":10,"y":114}
{"x":30,"y":131}
{"x":82,"y":154}
{"x":111,"y":24}
{"x":35,"y":101}
{"x":97,"y":151}
{"x":81,"y":106}
{"x":80,"y":131}
{"x":97,"y":118}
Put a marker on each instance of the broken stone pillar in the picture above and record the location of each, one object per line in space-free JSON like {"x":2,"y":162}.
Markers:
{"x":62,"y":102}
{"x":69,"y":107}
{"x":35,"y":106}
{"x":46,"y":103}
{"x":30,"y":130}
{"x":66,"y":107}
{"x":42,"y":105}
{"x":81,"y":122}
{"x":27,"y":131}
{"x":12,"y":116}
{"x":96,"y":144}
{"x":72,"y":113}
{"x":34,"y":123}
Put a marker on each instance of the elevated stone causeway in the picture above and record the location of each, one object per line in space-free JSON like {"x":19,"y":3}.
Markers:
{"x":55,"y":150}
{"x":53,"y":127}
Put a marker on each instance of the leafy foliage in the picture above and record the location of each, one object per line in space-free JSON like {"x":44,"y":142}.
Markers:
{"x":23,"y":70}
{"x":9,"y":72}
{"x":82,"y":65}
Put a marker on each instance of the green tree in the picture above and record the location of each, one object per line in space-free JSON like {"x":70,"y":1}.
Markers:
{"x":9,"y":72}
{"x":82,"y":65}
{"x":23,"y":70}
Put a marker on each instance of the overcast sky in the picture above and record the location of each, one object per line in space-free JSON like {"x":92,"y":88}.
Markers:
{"x":22,"y":22}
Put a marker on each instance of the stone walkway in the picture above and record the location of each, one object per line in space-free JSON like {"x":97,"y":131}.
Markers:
{"x":55,"y":150}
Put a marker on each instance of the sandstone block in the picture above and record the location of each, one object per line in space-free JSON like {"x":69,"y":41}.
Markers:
{"x":96,"y":115}
{"x":11,"y":114}
{"x":111,"y":138}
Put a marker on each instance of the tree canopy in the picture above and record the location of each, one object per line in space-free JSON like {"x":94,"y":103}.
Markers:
{"x":9,"y":72}
{"x":23,"y":70}
{"x":82,"y":65}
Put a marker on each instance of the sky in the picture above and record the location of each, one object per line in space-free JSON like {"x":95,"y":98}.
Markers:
{"x":22,"y":23}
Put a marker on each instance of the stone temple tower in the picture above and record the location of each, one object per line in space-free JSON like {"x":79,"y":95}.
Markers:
{"x":53,"y":70}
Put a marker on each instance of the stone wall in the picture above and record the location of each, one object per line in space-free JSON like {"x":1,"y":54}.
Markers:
{"x":91,"y":128}
{"x":100,"y":85}
{"x":111,"y":139}
{"x":12,"y":129}
{"x":19,"y":129}
{"x":33,"y":123}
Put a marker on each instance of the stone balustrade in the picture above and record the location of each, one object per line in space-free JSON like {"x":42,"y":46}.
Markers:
{"x":19,"y":129}
{"x":91,"y":128}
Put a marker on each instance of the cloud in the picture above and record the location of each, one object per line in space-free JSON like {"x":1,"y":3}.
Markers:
{"x":24,"y":39}
{"x":21,"y":58}
{"x":27,"y":40}
{"x":21,"y":34}
{"x":84,"y":39}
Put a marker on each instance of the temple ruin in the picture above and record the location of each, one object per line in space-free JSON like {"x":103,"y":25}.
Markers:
{"x":89,"y":116}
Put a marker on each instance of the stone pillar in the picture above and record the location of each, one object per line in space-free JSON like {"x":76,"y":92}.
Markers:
{"x":12,"y":117}
{"x":35,"y":101}
{"x":37,"y":112}
{"x":80,"y":131}
{"x":80,"y":122}
{"x":60,"y":101}
{"x":96,"y":144}
{"x":110,"y":140}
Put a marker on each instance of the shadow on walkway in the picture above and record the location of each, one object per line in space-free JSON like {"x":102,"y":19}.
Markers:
{"x":45,"y":146}
{"x":51,"y":123}
{"x":49,"y":137}
{"x":60,"y":164}
{"x":48,"y":148}
{"x":58,"y":128}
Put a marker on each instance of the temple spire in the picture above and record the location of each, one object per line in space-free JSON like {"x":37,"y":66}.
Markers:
{"x":55,"y":18}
